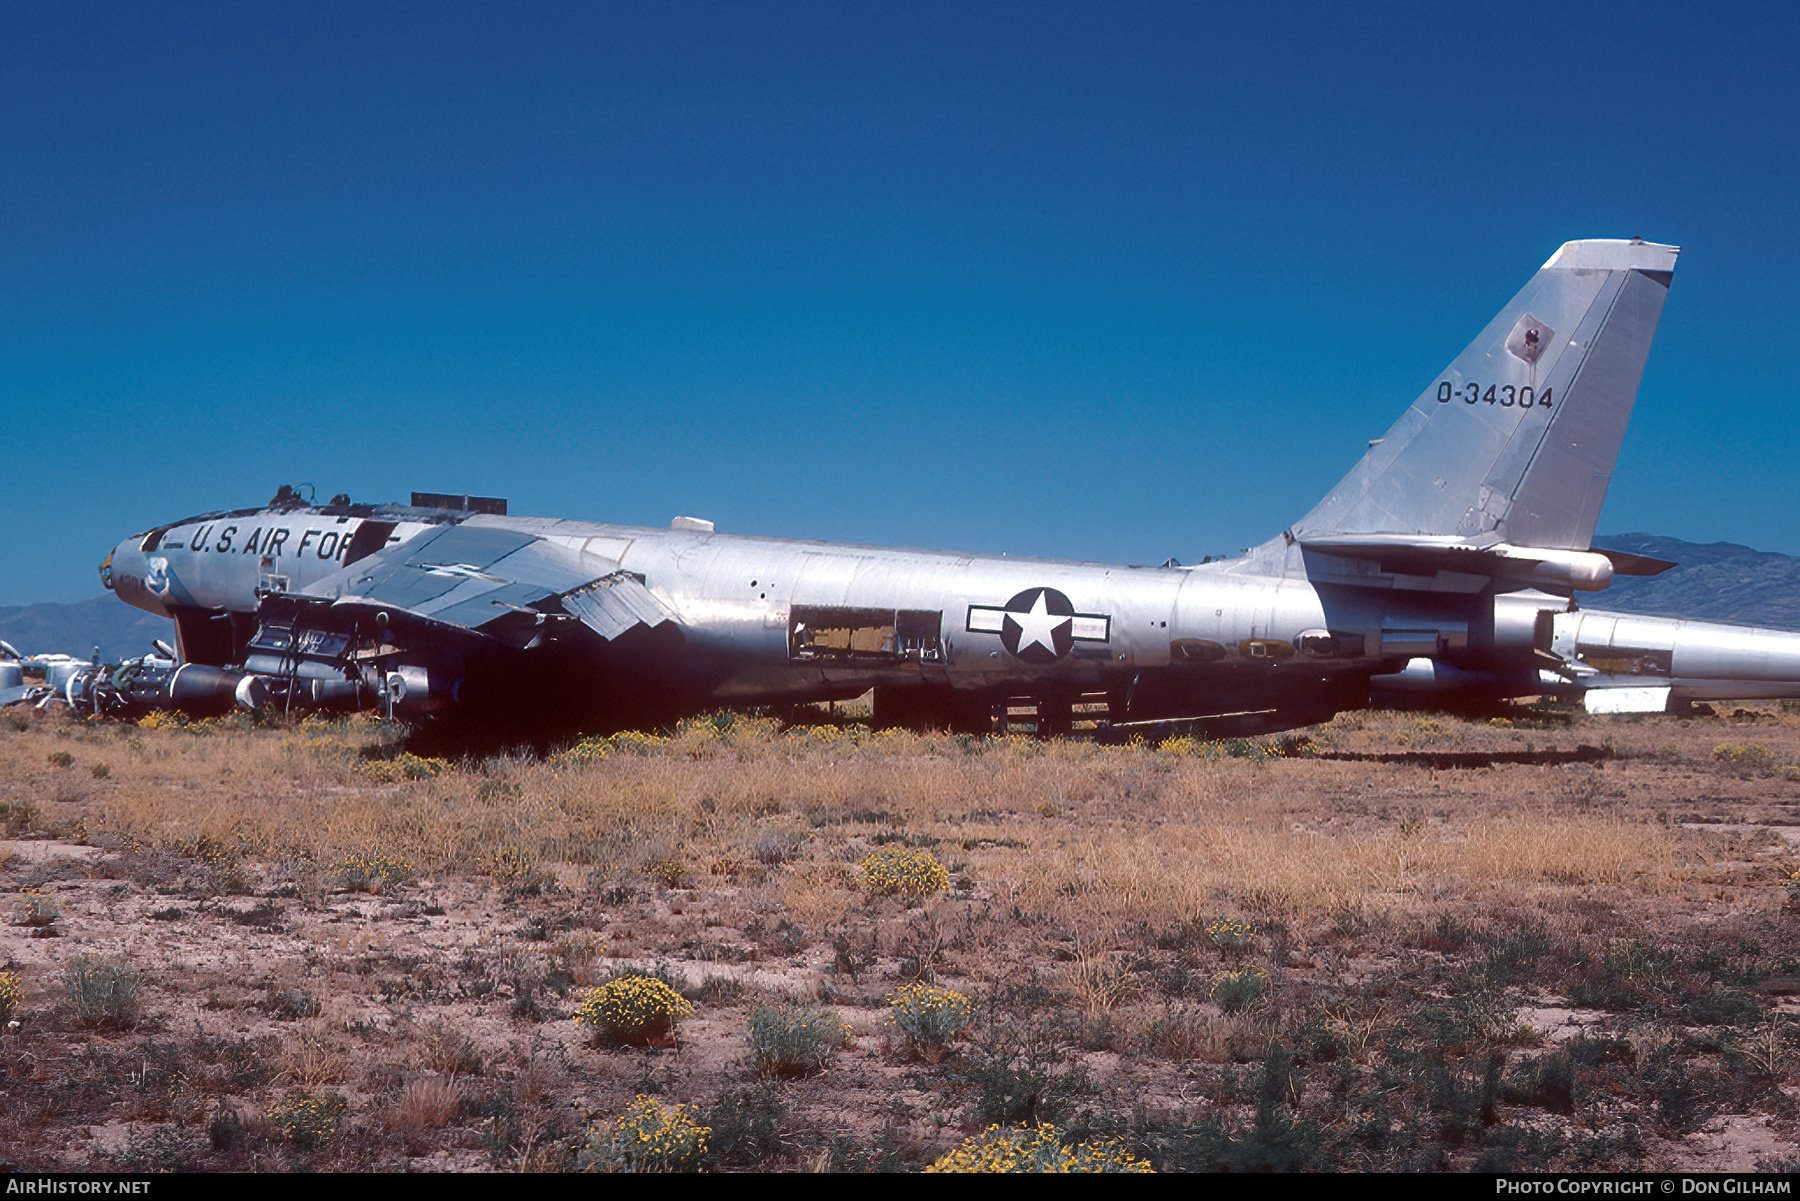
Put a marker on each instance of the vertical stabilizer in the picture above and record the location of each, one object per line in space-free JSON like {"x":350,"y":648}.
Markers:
{"x":1515,"y":441}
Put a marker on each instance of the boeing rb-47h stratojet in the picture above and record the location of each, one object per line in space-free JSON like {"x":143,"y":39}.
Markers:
{"x":1456,"y":539}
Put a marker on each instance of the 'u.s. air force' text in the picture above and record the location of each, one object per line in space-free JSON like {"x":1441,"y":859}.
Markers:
{"x":270,"y":543}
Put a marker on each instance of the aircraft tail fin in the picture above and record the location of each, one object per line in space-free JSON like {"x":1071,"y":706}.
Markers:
{"x":1515,"y":441}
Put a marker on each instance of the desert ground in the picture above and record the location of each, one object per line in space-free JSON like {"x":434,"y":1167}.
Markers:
{"x":1398,"y":941}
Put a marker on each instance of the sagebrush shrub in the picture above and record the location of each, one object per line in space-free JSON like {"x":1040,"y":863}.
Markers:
{"x":1030,"y":1149}
{"x":928,"y":1017}
{"x":36,"y":909}
{"x":10,"y":995}
{"x":521,"y":872}
{"x":632,"y":1009}
{"x":779,"y":847}
{"x":1743,"y":754}
{"x":904,"y":872}
{"x":307,"y":1119}
{"x":104,"y":993}
{"x":647,"y":1137}
{"x":746,"y":1126}
{"x":794,"y":1040}
{"x":1235,"y":991}
{"x":404,"y":766}
{"x":1230,"y":933}
{"x":670,"y":873}
{"x":370,"y":873}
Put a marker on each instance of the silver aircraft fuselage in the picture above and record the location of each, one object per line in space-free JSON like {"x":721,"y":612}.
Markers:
{"x":751,"y":610}
{"x":1487,"y":487}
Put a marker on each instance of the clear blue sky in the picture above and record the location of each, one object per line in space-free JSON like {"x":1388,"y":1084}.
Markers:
{"x":1116,"y":281}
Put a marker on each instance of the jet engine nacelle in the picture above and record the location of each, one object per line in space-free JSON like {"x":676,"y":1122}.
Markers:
{"x":200,"y":688}
{"x":139,"y":685}
{"x":1511,"y":633}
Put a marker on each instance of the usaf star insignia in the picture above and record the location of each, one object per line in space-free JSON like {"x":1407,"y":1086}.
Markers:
{"x":1039,"y":625}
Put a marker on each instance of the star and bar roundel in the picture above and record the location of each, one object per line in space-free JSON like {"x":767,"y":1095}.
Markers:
{"x":1039,"y":625}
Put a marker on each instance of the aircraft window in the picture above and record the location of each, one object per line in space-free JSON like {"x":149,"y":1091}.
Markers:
{"x":320,"y":642}
{"x":1265,"y":648}
{"x":153,"y":539}
{"x":1324,"y":644}
{"x":1195,"y":650}
{"x":833,"y":633}
{"x":1316,"y":642}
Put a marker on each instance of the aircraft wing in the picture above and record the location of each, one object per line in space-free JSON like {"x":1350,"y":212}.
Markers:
{"x":473,"y":577}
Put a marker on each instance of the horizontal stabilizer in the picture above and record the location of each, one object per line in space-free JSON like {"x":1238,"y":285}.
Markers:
{"x":1426,"y":555}
{"x":1625,"y":563}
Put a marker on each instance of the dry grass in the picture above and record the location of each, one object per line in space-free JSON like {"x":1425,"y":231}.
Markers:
{"x":314,"y":1058}
{"x":1099,"y":981}
{"x":425,"y":1104}
{"x":1133,"y":834}
{"x":1086,"y":872}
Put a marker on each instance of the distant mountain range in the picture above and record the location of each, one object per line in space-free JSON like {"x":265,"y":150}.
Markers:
{"x":1712,"y":581}
{"x":1715,"y":581}
{"x":120,"y":631}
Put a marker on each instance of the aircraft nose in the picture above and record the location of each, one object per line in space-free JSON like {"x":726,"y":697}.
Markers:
{"x":122,"y":560}
{"x":126,"y":571}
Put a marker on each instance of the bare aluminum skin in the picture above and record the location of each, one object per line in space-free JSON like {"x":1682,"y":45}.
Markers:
{"x":1664,"y":663}
{"x":1488,"y":485}
{"x":1686,"y":661}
